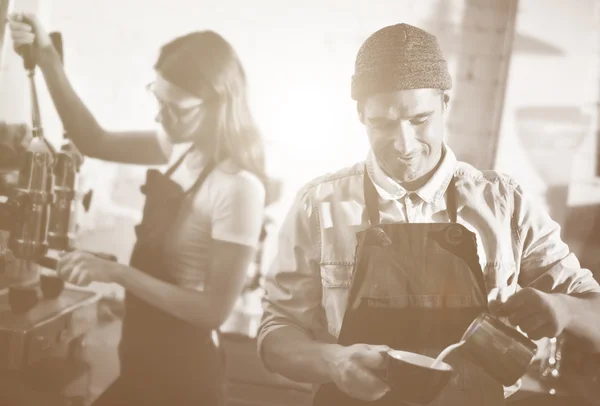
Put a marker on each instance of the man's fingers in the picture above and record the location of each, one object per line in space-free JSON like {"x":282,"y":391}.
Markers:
{"x":512,"y":304}
{"x":373,"y":358}
{"x":529,"y":322}
{"x":544,"y":330}
{"x":523,"y":315}
{"x":380,"y":348}
{"x":367,"y":386}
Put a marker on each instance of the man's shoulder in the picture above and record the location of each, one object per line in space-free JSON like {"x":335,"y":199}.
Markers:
{"x":467,"y":172}
{"x":346,"y":179}
{"x":344,"y":175}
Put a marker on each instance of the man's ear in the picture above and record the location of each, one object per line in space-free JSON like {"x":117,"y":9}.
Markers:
{"x":446,"y":101}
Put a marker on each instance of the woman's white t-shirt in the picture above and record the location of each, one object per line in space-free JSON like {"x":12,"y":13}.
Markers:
{"x":228,"y":207}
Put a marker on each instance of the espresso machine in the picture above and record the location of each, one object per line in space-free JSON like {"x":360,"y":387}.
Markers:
{"x":42,"y":320}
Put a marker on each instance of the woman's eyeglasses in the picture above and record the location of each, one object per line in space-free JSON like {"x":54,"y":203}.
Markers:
{"x":174,"y":110}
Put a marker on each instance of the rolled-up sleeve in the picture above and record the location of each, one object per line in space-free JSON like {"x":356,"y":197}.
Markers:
{"x":546,"y":261}
{"x":293,"y":285}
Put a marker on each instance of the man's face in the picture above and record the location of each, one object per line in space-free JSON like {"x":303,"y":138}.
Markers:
{"x":406,"y":131}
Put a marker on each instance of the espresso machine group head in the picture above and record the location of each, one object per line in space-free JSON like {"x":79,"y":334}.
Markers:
{"x":42,"y":318}
{"x":31,"y":199}
{"x":67,"y":162}
{"x":40,"y":211}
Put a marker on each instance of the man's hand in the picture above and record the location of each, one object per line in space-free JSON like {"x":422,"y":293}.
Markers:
{"x":355,"y":369}
{"x":82,"y":268}
{"x":538,"y":314}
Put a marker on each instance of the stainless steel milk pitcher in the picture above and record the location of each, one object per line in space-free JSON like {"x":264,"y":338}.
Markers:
{"x":502,"y":351}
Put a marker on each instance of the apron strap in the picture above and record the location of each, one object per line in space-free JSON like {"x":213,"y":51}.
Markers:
{"x":372,"y":200}
{"x":451,"y":205}
{"x":210,"y":165}
{"x":177,"y":163}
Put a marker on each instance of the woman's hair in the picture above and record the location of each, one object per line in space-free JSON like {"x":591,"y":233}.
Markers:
{"x":204,"y":64}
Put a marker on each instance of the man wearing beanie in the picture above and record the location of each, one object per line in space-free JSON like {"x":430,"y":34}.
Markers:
{"x":404,"y":250}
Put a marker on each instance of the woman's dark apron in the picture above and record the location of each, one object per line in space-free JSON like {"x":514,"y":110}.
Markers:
{"x":164,"y":360}
{"x":416,"y":287}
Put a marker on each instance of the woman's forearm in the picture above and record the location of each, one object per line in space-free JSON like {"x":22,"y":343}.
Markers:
{"x":87,"y":134}
{"x":78,"y":121}
{"x":190,"y":305}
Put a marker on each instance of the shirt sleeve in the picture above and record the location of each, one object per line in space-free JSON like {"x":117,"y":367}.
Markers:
{"x":293,"y":285}
{"x":238,"y":210}
{"x":547,"y":263}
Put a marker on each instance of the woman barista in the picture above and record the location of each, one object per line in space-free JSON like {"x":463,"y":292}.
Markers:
{"x":202,"y":217}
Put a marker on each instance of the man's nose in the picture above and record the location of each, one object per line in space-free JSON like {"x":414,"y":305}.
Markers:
{"x":405,"y":139}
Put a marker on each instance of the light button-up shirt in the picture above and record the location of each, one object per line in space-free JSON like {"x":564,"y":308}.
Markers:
{"x":518,"y":243}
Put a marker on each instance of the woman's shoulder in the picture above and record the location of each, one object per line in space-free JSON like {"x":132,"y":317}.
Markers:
{"x":228,"y":178}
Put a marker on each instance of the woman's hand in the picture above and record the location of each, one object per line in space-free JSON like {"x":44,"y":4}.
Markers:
{"x":82,"y":268}
{"x":26,"y":29}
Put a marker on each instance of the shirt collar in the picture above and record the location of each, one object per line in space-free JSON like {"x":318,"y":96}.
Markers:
{"x":389,"y":189}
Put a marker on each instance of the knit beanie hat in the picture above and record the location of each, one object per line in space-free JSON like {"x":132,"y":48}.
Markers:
{"x":399,"y":57}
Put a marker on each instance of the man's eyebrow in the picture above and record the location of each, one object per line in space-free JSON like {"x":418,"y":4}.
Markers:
{"x":382,"y":118}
